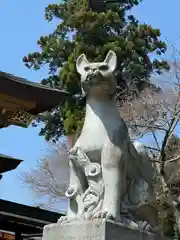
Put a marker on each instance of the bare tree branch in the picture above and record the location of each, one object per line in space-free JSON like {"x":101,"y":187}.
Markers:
{"x":50,"y":177}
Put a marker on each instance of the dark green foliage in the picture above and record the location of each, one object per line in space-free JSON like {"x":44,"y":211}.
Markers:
{"x":137,"y":45}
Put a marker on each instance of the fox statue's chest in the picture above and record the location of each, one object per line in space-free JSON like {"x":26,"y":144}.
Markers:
{"x":100,"y":128}
{"x":92,"y":140}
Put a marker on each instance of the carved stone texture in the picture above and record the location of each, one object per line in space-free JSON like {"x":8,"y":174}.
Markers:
{"x":109,"y":175}
{"x":95,"y":230}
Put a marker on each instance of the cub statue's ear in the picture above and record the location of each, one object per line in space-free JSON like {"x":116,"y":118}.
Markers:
{"x":81,"y":63}
{"x":111,"y":60}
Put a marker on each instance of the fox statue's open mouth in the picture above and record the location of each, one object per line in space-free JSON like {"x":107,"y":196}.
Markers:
{"x":93,"y":78}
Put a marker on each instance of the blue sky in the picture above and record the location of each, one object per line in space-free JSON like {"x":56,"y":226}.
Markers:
{"x":22,"y":23}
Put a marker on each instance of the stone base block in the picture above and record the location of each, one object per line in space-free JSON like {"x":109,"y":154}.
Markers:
{"x":95,"y":230}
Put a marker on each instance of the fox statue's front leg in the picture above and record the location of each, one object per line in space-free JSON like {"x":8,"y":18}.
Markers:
{"x":114,"y":176}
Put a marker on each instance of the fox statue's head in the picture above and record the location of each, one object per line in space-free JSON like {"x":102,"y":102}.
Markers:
{"x":97,"y":78}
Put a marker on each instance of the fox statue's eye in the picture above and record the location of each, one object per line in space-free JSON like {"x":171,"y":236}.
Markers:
{"x":103,"y":67}
{"x":86,"y":68}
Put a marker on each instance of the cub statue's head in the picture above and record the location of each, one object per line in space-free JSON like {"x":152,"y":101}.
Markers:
{"x":97,"y":78}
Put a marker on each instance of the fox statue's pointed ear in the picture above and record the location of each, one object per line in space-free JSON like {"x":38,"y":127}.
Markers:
{"x":111,"y":60}
{"x":81,"y":63}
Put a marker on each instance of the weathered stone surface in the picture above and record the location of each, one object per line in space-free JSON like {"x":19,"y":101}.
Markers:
{"x":109,"y":174}
{"x":95,"y":230}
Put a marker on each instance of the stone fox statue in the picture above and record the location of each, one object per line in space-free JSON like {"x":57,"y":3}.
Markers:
{"x":104,"y":141}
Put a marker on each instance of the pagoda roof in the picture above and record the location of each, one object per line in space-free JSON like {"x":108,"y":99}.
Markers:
{"x":45,"y":98}
{"x":8,"y":163}
{"x":26,"y":219}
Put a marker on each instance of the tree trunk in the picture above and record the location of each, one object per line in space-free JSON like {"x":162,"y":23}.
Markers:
{"x":72,"y":139}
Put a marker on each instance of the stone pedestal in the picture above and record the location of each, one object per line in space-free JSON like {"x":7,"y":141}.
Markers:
{"x":95,"y":230}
